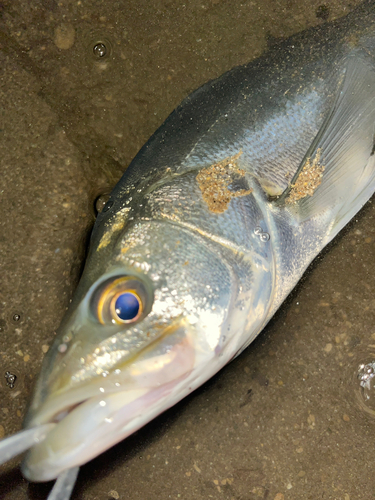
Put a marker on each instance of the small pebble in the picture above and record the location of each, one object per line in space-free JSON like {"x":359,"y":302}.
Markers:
{"x":197,"y":468}
{"x":113,"y":494}
{"x":279,"y":496}
{"x":64,"y":36}
{"x":26,"y":358}
{"x":45,"y":348}
{"x":311,"y":421}
{"x":346,"y":418}
{"x":328,"y":348}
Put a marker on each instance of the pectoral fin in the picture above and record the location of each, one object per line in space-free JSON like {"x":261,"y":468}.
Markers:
{"x":337,"y":174}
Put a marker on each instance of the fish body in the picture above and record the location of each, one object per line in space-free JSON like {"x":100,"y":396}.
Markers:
{"x":206,"y":233}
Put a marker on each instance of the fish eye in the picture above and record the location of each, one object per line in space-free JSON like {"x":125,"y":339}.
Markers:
{"x":127,"y":306}
{"x":120,"y":300}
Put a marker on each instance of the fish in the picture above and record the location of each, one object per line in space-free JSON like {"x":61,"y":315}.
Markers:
{"x":209,"y":229}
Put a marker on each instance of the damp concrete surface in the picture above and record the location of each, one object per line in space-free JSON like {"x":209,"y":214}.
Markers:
{"x":281,"y":422}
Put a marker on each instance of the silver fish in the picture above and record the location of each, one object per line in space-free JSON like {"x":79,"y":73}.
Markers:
{"x":207,"y":232}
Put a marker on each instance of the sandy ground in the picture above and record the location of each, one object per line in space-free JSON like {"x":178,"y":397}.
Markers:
{"x":282,"y":421}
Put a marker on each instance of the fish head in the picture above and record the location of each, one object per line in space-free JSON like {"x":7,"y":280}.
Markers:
{"x":158,"y":311}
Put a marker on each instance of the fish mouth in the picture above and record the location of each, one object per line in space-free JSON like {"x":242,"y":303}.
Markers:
{"x":100,"y":412}
{"x":84,"y":430}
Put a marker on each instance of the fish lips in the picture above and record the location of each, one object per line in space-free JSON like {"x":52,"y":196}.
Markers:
{"x":92,"y":417}
{"x":91,"y":428}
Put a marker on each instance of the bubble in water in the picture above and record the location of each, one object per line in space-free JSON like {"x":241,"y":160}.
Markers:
{"x":67,"y":338}
{"x":366,"y":386}
{"x":100,"y":50}
{"x":263,"y":236}
{"x":16,"y":317}
{"x":362,"y":374}
{"x":10,"y":379}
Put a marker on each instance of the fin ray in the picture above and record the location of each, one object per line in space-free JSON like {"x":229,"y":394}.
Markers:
{"x":344,"y":148}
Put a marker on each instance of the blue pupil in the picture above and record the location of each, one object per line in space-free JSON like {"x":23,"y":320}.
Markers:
{"x":127,"y":306}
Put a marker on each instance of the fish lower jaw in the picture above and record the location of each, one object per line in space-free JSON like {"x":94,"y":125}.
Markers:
{"x":67,"y":444}
{"x":87,"y":429}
